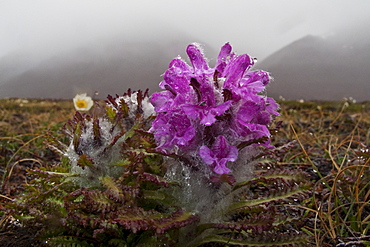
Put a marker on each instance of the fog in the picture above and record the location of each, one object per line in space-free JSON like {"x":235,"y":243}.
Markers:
{"x":314,"y":49}
{"x":45,"y":28}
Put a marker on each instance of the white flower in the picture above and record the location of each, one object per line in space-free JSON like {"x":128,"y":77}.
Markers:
{"x":83,"y":102}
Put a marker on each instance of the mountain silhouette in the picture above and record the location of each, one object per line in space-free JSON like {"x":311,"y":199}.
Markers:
{"x":316,"y":68}
{"x":109,"y":68}
{"x":311,"y":68}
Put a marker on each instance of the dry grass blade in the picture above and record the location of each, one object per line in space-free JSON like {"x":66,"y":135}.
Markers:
{"x":333,"y":138}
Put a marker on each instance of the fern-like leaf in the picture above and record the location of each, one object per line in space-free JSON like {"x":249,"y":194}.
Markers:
{"x":279,"y":195}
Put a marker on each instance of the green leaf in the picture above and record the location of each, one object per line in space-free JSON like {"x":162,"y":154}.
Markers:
{"x":85,"y":161}
{"x":279,"y":196}
{"x":111,"y":114}
{"x":261,"y":240}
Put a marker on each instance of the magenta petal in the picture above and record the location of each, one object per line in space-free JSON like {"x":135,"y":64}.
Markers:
{"x":263,"y":118}
{"x":172,"y":129}
{"x":258,"y":75}
{"x":206,"y":154}
{"x":248,"y":111}
{"x":272,"y":106}
{"x":220,"y":145}
{"x":263,"y":77}
{"x":223,"y":150}
{"x":224,"y":53}
{"x":233,"y":153}
{"x":221,"y":169}
{"x":208,"y":119}
{"x":210,"y":114}
{"x":161,"y":101}
{"x":178,"y":83}
{"x":219,"y":155}
{"x":185,"y":137}
{"x":223,"y":57}
{"x":191,"y":111}
{"x":236,"y":69}
{"x":179,"y":63}
{"x":196,"y":57}
{"x":255,"y":131}
{"x":220,"y":109}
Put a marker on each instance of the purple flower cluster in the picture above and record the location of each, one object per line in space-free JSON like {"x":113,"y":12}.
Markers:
{"x":210,"y":111}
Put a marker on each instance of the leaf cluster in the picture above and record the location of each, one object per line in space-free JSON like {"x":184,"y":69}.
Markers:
{"x":126,"y":208}
{"x":263,"y":210}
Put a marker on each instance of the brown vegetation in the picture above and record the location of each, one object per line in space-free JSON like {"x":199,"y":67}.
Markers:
{"x":333,"y":147}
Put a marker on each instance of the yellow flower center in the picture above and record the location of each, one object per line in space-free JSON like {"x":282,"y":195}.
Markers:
{"x":81,"y":103}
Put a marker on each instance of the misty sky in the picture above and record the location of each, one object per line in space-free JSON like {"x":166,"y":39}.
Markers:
{"x":257,"y":27}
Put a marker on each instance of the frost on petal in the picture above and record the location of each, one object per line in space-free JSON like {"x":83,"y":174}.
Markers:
{"x":208,"y":119}
{"x":196,"y":57}
{"x":162,"y":134}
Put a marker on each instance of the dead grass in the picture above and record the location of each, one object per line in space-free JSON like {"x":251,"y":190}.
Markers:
{"x":23,"y":128}
{"x":334,"y":140}
{"x":333,"y":137}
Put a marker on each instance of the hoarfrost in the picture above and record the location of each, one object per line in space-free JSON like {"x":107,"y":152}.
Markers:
{"x":131,"y":101}
{"x":196,"y":193}
{"x":103,"y":159}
